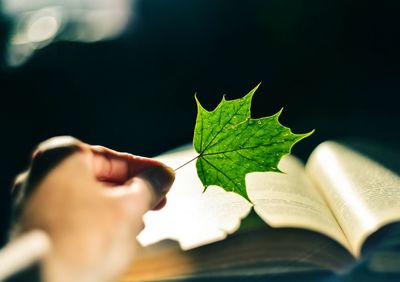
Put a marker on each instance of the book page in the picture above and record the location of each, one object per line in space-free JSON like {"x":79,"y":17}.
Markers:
{"x":363,"y":194}
{"x":290,"y":199}
{"x":192,"y":217}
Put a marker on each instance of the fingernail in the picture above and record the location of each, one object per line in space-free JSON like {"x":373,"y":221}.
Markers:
{"x":160,"y":177}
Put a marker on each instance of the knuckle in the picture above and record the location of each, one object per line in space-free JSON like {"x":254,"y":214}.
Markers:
{"x":55,"y":143}
{"x":50,"y":153}
{"x":19,"y":180}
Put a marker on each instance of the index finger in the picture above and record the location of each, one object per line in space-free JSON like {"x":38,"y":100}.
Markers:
{"x":116,"y":167}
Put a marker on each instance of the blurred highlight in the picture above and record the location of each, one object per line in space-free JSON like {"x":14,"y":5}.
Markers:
{"x":39,"y":23}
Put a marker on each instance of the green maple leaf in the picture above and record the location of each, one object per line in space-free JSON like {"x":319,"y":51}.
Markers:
{"x":231,"y":144}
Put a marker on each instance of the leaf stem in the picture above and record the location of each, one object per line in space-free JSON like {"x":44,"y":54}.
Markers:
{"x":187,"y":162}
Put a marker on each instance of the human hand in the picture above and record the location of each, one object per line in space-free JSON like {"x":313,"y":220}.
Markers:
{"x":90,"y":200}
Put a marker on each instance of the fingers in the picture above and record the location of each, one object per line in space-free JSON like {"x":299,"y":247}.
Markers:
{"x":47,"y":156}
{"x":115,"y":167}
{"x":105,"y":164}
{"x":161,"y":204}
{"x":145,"y":191}
{"x":57,"y":143}
{"x":160,"y":178}
{"x":51,"y":153}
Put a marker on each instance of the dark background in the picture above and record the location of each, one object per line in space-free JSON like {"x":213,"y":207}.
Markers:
{"x":333,"y":65}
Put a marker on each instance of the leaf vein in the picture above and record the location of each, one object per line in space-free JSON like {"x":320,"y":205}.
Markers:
{"x":243,"y":148}
{"x":222,"y":128}
{"x":221,"y":172}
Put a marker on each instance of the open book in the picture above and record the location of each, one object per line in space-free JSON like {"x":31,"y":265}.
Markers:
{"x":321,"y":215}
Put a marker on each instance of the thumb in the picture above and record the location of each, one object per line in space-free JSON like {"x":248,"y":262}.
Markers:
{"x":145,"y":191}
